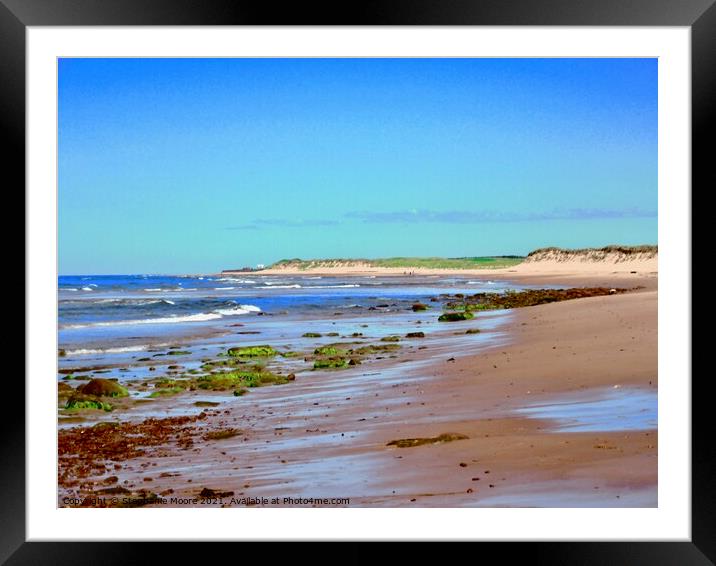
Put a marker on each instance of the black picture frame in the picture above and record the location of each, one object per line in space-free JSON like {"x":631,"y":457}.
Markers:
{"x":699,"y":15}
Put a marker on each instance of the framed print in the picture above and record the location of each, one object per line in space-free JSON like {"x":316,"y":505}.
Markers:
{"x":299,"y":277}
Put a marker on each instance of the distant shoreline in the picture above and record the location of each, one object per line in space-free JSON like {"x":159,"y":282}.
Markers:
{"x":609,"y":260}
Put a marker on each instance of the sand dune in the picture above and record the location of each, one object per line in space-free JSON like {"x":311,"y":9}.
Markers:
{"x":607,"y":260}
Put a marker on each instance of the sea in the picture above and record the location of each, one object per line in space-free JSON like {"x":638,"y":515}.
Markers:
{"x":123,"y":324}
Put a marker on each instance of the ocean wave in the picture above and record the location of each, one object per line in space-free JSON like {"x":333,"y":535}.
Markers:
{"x":231,"y":312}
{"x":238,"y":309}
{"x":267,"y":286}
{"x":119,"y":350}
{"x":224,"y":288}
{"x":346,"y":286}
{"x":87,"y":289}
{"x":152,"y":290}
{"x":129,"y":302}
{"x":198,"y":317}
{"x":234,"y":280}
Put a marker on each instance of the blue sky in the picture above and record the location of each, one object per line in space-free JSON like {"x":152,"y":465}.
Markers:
{"x":198,"y":165}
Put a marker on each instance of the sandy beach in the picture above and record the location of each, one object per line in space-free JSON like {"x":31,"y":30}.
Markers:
{"x":326,"y":435}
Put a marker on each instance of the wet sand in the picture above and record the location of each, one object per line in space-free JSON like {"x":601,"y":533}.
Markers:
{"x":326,"y":434}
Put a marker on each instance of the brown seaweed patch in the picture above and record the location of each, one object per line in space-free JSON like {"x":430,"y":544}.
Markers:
{"x":411,"y":442}
{"x":211,"y":493}
{"x":526,"y":298}
{"x":222,"y":434}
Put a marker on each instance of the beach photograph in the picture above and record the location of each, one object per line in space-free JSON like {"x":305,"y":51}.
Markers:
{"x":357,"y":282}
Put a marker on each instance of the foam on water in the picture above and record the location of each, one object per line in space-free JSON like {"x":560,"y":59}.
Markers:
{"x":199,"y":317}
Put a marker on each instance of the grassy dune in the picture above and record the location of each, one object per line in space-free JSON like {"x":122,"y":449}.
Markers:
{"x":613,"y":253}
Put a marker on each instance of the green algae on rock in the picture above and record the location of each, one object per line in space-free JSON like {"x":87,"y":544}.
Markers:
{"x":101,"y":387}
{"x":330,"y":363}
{"x":263,"y":351}
{"x":80,"y":402}
{"x":455,"y":316}
{"x":329,"y":350}
{"x":240,"y":379}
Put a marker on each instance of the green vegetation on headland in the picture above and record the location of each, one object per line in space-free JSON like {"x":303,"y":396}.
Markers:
{"x":611,"y":252}
{"x":407,"y":263}
{"x":611,"y":249}
{"x":489,"y":262}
